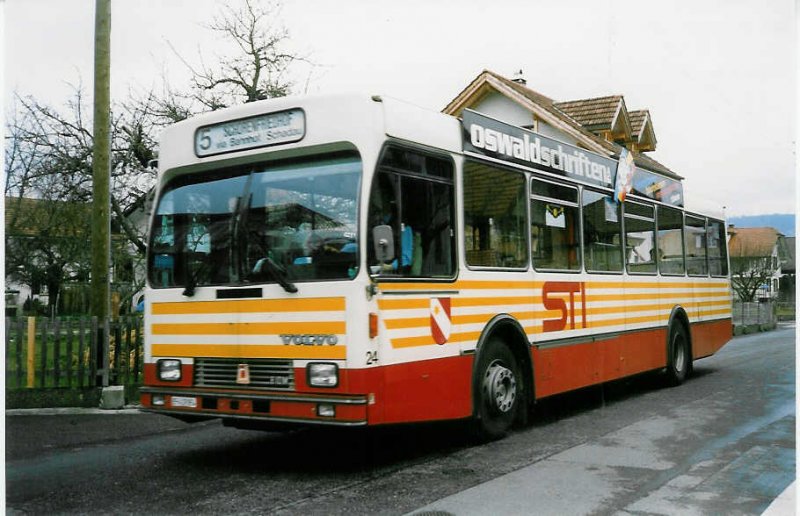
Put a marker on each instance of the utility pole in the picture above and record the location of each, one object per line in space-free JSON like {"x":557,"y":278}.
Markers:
{"x":101,"y":180}
{"x":101,"y":161}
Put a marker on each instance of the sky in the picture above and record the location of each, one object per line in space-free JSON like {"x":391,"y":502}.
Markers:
{"x":718,"y":76}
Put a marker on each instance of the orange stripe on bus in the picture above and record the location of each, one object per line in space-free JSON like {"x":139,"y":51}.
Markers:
{"x":404,"y":324}
{"x":538,"y":284}
{"x":629,"y":311}
{"x":237,"y":351}
{"x":427,"y":340}
{"x":706,"y":313}
{"x":404,"y":304}
{"x":322,"y":304}
{"x":403,"y":287}
{"x":461,"y":285}
{"x":494,"y":301}
{"x":422,"y":303}
{"x":631,"y":296}
{"x":255,"y":328}
{"x":655,"y":284}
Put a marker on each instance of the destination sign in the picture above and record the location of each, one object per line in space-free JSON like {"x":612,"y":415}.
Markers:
{"x":250,"y":133}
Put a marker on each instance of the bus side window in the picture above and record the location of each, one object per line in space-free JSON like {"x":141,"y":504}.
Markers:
{"x":717,"y":248}
{"x":695,"y":244}
{"x":494,"y":217}
{"x":640,"y":238}
{"x":602,"y":243}
{"x":413,"y":194}
{"x":670,"y":241}
{"x":555,"y":223}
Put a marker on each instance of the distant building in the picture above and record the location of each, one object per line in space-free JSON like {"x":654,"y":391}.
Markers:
{"x":757,"y":258}
{"x":788,"y":283}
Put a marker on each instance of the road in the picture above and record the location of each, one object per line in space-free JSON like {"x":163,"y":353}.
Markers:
{"x":723,"y":443}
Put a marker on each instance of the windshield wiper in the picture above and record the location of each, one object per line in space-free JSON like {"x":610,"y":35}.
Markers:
{"x":191,"y":281}
{"x":239,"y":231}
{"x":275,"y":271}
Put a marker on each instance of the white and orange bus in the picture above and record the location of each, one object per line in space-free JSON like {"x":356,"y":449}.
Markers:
{"x":352,"y":261}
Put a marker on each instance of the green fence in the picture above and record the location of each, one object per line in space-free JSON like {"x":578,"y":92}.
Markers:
{"x":73,"y":353}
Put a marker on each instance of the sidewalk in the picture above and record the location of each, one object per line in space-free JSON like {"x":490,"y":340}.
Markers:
{"x":72,"y":411}
{"x":569,"y":491}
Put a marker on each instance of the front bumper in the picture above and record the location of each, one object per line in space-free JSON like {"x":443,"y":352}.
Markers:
{"x":268,"y":407}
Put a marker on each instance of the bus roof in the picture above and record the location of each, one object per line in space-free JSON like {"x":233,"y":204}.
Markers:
{"x":329,"y":122}
{"x":326,"y":119}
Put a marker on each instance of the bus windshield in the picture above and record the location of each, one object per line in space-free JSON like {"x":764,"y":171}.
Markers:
{"x":258,"y":223}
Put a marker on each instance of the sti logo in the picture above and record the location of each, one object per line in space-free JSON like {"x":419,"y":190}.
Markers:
{"x":560,"y":296}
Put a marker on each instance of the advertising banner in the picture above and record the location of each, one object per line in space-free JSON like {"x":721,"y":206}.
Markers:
{"x":495,"y":139}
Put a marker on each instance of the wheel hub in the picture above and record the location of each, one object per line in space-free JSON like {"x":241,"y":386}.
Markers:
{"x":500,"y":387}
{"x":679,"y":355}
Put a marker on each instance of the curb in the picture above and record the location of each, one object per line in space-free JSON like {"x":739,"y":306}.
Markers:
{"x":74,"y":411}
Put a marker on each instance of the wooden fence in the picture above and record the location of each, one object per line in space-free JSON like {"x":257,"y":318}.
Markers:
{"x":43,"y":353}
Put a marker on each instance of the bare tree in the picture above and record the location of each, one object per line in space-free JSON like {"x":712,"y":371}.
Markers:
{"x":49,"y":151}
{"x":257,"y":69}
{"x":48,"y":167}
{"x":750,"y":271}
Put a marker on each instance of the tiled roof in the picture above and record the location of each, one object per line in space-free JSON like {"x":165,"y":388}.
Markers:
{"x":752,"y":242}
{"x":33,"y":217}
{"x":637,"y":120}
{"x":594,"y":114}
{"x":592,"y":141}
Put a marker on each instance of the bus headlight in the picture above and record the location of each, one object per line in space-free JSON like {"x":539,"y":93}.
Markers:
{"x":322,"y":374}
{"x":169,"y":370}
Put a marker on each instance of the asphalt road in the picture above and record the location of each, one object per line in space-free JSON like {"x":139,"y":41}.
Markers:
{"x":722,"y":443}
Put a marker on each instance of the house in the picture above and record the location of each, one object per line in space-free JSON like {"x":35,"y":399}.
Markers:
{"x":48,"y":256}
{"x":757,"y":256}
{"x":46,"y":242}
{"x":602,"y":125}
{"x":788,"y":280}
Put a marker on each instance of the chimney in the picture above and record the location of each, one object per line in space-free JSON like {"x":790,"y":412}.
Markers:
{"x":519,"y":78}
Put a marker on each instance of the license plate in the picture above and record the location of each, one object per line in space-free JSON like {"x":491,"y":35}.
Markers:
{"x":184,"y":401}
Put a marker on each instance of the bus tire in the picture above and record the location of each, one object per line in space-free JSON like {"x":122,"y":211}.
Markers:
{"x":678,"y":354}
{"x":498,"y":391}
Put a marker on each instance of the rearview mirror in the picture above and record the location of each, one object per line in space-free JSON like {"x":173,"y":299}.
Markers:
{"x":383,"y":239}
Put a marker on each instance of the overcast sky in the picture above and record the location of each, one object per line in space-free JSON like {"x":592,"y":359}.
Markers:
{"x":718,"y":76}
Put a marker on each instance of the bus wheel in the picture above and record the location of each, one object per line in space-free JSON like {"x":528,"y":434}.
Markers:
{"x":678,"y":355}
{"x":498,"y":391}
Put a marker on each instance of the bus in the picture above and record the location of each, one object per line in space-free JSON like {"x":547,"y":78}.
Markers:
{"x":356,"y":260}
